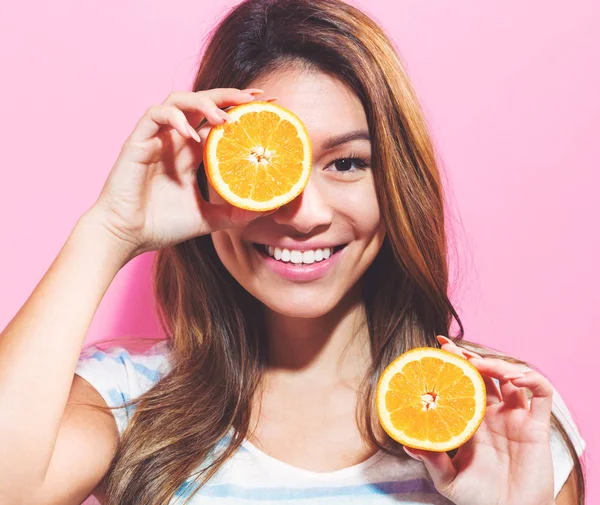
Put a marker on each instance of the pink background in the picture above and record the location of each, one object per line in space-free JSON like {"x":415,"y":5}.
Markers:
{"x":510,"y":90}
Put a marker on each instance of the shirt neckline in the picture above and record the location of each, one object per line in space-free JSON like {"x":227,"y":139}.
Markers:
{"x":335,"y":474}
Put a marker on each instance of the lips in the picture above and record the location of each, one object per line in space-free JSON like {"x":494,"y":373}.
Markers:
{"x":294,"y":269}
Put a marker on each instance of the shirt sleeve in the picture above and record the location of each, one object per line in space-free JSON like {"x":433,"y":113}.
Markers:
{"x":561,"y":457}
{"x":120,"y":375}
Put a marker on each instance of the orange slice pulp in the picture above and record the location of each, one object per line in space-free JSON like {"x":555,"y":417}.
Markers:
{"x":431,"y":399}
{"x":262,"y":159}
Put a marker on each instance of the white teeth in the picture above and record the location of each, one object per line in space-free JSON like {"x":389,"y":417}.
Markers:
{"x":299,"y":257}
{"x":308,"y":257}
{"x":296,"y":257}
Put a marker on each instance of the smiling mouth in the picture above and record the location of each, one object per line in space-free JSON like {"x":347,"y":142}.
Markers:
{"x":298,"y":257}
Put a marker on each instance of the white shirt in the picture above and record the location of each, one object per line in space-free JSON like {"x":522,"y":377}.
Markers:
{"x":253,"y":477}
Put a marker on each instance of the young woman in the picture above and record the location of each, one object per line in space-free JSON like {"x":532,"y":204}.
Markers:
{"x":264,"y":389}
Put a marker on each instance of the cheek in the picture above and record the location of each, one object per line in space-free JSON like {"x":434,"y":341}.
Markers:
{"x":224,"y":241}
{"x":365,"y":212}
{"x":358,"y":202}
{"x":234,"y":254}
{"x":213,"y":196}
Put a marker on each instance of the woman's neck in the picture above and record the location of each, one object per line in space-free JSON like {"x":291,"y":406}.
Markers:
{"x":328,"y":349}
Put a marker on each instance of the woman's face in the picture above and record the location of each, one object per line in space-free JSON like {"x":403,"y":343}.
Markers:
{"x":336,"y":214}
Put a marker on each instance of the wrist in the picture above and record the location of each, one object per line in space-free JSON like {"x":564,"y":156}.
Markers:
{"x":92,"y":229}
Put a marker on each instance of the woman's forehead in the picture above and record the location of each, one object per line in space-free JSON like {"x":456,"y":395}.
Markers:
{"x":325,"y":104}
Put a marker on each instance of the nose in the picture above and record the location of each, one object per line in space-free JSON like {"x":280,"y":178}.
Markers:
{"x":308,"y":212}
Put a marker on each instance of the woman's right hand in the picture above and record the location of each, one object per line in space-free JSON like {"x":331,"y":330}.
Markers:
{"x":151,"y":198}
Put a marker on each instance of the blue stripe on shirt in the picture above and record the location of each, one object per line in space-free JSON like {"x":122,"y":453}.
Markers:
{"x":423,"y":486}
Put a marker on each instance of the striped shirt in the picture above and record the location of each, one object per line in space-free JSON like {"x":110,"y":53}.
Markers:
{"x":253,"y":477}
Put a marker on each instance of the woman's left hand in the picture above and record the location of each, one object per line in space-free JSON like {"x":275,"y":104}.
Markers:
{"x":508,"y":460}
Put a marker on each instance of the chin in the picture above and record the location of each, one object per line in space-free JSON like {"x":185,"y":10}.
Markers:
{"x":308,"y":310}
{"x":307,"y":302}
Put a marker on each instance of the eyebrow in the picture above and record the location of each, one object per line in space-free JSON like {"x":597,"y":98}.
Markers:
{"x":345,"y":138}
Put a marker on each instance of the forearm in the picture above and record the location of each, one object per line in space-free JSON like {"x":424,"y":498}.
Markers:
{"x":40,"y":347}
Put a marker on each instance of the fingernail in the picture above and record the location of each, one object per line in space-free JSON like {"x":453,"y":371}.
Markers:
{"x":221,"y":113}
{"x":271,"y":99}
{"x":443,"y":340}
{"x":253,"y":91}
{"x":194,"y":134}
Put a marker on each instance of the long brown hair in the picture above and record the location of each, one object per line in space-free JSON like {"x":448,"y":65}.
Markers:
{"x":215,"y":331}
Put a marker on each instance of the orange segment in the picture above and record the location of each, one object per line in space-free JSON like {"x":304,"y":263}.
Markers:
{"x":431,"y":399}
{"x":262,"y":159}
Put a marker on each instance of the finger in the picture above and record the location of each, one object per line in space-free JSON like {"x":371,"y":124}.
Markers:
{"x":205,"y":127}
{"x":541,"y":388}
{"x":159,"y":116}
{"x":203,"y":131}
{"x":222,"y":216}
{"x":438,"y":464}
{"x":497,"y":368}
{"x":192,"y":106}
{"x":493,"y":394}
{"x":209,"y":104}
{"x":505,"y":373}
{"x":500,"y":390}
{"x":449,"y":345}
{"x":514,"y":397}
{"x":445,"y":341}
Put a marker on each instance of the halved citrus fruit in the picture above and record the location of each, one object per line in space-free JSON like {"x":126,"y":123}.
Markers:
{"x":262,"y":159}
{"x":431,"y":399}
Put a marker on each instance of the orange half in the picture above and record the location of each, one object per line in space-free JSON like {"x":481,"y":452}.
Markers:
{"x":431,"y":399}
{"x":262,"y":159}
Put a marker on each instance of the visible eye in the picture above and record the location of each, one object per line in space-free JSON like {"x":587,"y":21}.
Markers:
{"x":351,"y":163}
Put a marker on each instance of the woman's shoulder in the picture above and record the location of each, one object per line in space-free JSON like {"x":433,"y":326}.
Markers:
{"x":149,"y":351}
{"x":122,"y":370}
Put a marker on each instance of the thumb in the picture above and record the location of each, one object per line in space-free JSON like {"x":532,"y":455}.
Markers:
{"x":438,"y":464}
{"x":219,"y":216}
